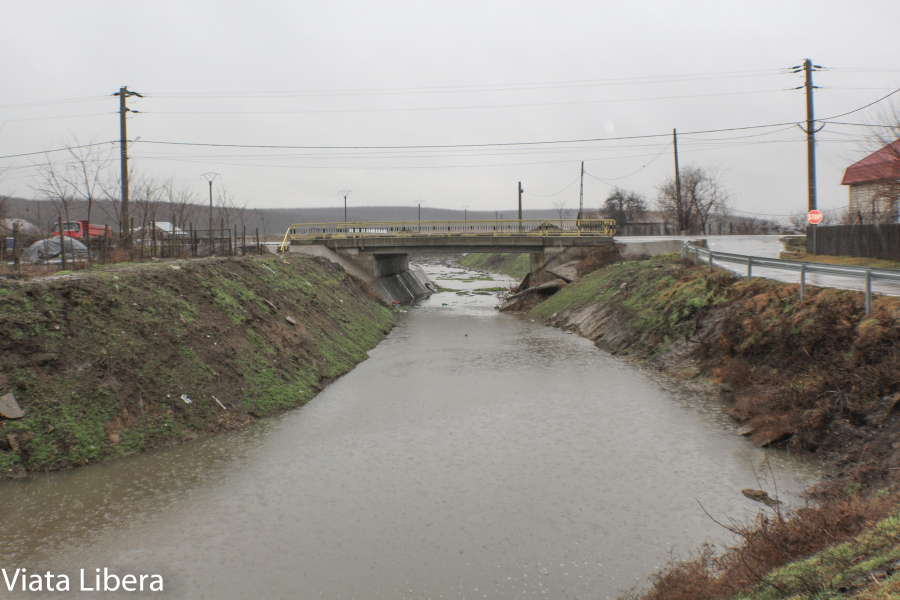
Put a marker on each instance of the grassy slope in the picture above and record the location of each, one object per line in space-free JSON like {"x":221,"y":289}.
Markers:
{"x":99,"y":363}
{"x":516,"y":265}
{"x":854,"y":261}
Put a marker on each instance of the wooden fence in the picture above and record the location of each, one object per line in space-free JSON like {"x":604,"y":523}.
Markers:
{"x":866,"y":241}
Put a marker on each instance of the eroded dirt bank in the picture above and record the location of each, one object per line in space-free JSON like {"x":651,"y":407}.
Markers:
{"x":817,"y":375}
{"x":135,"y":357}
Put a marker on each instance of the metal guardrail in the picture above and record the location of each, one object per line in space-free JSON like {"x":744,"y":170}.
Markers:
{"x":867,"y":274}
{"x":529,"y":227}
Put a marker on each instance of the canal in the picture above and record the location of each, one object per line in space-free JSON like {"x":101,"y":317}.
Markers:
{"x":474,"y":455}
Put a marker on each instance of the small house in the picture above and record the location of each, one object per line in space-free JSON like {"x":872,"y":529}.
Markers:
{"x":874,"y":184}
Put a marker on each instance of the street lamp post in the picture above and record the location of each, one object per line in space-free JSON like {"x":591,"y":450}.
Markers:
{"x":210,"y":177}
{"x":345,"y":193}
{"x":419,"y":202}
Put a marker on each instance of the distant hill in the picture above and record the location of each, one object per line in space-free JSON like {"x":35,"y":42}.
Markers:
{"x":269,"y":220}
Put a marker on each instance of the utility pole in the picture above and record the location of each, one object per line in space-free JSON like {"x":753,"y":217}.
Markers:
{"x":465,"y":208}
{"x":345,"y":193}
{"x":581,"y":194}
{"x":520,"y":202}
{"x":419,"y":202}
{"x":681,"y":222}
{"x":808,"y":68}
{"x":210,"y":177}
{"x":123,"y":95}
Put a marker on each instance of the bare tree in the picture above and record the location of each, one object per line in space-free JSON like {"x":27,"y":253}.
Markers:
{"x":146,"y":200}
{"x":225,"y":205}
{"x":702,"y":193}
{"x":561,"y":210}
{"x":181,"y":202}
{"x":711,"y":196}
{"x":799,"y":221}
{"x":624,"y":206}
{"x":77,"y":178}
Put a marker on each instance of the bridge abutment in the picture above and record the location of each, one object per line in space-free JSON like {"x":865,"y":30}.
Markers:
{"x":377,"y":265}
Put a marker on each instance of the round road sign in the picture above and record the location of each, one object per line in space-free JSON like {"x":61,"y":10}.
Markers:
{"x":815,"y":217}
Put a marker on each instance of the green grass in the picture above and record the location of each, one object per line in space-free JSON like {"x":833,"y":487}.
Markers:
{"x":849,"y":564}
{"x":121,"y":338}
{"x":516,"y":265}
{"x":660,"y":297}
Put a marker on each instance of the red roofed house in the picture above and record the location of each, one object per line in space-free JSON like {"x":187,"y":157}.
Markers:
{"x":875,"y":186}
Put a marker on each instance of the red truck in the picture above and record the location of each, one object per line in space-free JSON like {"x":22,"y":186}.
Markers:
{"x":82,"y":230}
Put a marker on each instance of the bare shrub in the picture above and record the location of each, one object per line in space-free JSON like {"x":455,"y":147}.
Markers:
{"x":766,"y":543}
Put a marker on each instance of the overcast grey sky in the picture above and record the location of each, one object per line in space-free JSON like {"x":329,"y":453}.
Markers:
{"x":392,"y":73}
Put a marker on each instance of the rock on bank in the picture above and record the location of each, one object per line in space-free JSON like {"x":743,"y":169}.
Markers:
{"x":133,"y":357}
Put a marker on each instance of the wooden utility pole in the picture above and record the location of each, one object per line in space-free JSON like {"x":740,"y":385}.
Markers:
{"x":810,"y":133}
{"x":520,"y":204}
{"x":581,"y":194}
{"x":680,"y":215}
{"x":808,"y":68}
{"x":123,"y":95}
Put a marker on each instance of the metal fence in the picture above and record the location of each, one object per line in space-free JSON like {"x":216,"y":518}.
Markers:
{"x":867,"y":241}
{"x":868,"y":275}
{"x":149,"y":242}
{"x":530,"y":227}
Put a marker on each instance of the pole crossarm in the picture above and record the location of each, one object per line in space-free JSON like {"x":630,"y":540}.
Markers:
{"x":394,"y":229}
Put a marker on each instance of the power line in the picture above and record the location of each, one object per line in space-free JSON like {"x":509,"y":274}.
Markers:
{"x":56,"y":150}
{"x":634,"y":172}
{"x":557,"y":193}
{"x":51,"y":102}
{"x":431,"y":108}
{"x":497,"y":144}
{"x":485,"y":87}
{"x":106,"y":114}
{"x":861,"y":107}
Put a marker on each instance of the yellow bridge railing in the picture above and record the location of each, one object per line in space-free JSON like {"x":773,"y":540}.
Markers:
{"x":529,"y":227}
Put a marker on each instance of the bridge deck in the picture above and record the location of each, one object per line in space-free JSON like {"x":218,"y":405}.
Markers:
{"x":443,"y":236}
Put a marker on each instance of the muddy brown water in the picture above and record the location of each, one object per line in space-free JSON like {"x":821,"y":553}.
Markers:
{"x":474,"y":455}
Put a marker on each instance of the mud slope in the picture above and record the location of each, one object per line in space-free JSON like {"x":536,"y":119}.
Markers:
{"x":130,"y":358}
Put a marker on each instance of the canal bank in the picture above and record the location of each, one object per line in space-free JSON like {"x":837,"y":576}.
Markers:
{"x":474,"y":454}
{"x":115,"y":361}
{"x":816,"y":376}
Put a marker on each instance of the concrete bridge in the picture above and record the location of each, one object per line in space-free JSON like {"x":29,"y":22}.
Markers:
{"x":379,"y":250}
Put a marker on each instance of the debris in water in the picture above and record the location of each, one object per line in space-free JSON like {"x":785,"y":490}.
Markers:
{"x":760,"y":496}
